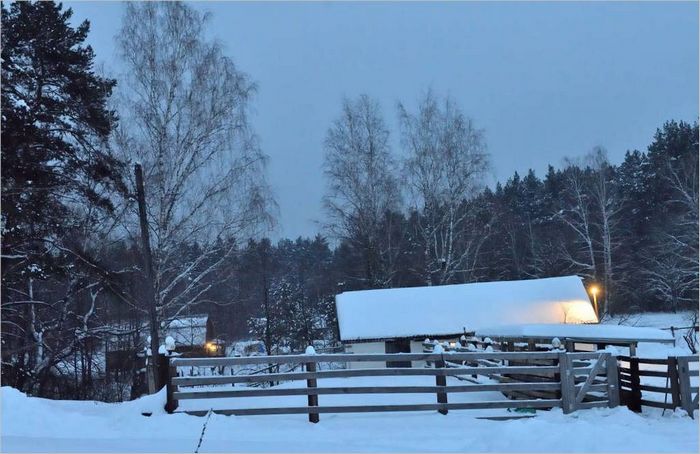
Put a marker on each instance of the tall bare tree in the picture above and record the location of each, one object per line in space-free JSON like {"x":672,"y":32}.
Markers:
{"x":592,"y":213}
{"x":579,"y":253}
{"x":608,"y":204}
{"x":184,"y":108}
{"x":446,"y":161}
{"x":362,"y":186}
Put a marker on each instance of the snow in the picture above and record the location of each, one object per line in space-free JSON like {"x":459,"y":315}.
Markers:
{"x":188,"y":322}
{"x":658,"y":320}
{"x":653,"y":319}
{"x":41,"y":425}
{"x":580,"y":331}
{"x":450,"y":309}
{"x":31,"y":424}
{"x":169,"y":343}
{"x":188,"y":330}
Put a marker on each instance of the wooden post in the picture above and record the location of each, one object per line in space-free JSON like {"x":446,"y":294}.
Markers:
{"x":441,"y":381}
{"x":568,"y":389}
{"x":150,"y":375}
{"x":569,"y":345}
{"x":613,"y":381}
{"x":163,"y":372}
{"x":312,"y":398}
{"x":674,"y":381}
{"x":635,"y":403}
{"x":684,"y":384}
{"x":171,"y":403}
{"x":148,"y":265}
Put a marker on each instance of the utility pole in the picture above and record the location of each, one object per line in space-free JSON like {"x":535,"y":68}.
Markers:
{"x":148,"y":271}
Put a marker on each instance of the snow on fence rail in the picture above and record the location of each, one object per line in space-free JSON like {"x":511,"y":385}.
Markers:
{"x":581,"y":380}
{"x":670,"y":377}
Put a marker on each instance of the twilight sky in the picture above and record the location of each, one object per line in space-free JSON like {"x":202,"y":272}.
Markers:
{"x":544,"y":80}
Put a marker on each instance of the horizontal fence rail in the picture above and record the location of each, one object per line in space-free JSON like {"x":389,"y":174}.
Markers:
{"x":351,"y":357}
{"x":570,"y":381}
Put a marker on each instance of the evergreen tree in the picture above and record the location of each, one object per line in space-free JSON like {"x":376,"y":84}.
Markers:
{"x":55,"y":122}
{"x":57,"y":178}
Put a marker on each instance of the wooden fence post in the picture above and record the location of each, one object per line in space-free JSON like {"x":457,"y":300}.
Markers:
{"x":441,"y":381}
{"x":674,"y":381}
{"x":568,"y":385}
{"x":162,"y":371}
{"x":635,"y":402}
{"x":569,"y":345}
{"x":312,"y":398}
{"x":686,"y":395}
{"x":171,"y":403}
{"x":613,"y":381}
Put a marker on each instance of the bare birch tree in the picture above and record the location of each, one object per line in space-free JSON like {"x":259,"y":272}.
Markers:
{"x":184,"y":109}
{"x":608,"y":203}
{"x":445,"y":165}
{"x":362,"y":187}
{"x":681,"y":175}
{"x":593,"y":211}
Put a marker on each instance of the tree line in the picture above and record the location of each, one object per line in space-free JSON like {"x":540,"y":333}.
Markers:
{"x":630,"y":228}
{"x":73,"y":270}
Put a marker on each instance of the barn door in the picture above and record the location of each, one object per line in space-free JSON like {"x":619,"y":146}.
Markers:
{"x":398,"y":346}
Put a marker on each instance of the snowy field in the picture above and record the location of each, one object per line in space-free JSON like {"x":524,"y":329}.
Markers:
{"x":41,"y":425}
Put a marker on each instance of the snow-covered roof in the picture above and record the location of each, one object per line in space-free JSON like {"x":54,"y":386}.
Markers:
{"x":188,"y":330}
{"x":580,"y":332}
{"x":448,"y":309}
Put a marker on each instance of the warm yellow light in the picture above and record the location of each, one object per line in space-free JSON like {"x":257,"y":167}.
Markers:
{"x":594,"y":289}
{"x":211,"y":347}
{"x":579,"y":312}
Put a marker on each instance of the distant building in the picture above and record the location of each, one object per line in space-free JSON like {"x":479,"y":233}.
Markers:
{"x":193,"y":335}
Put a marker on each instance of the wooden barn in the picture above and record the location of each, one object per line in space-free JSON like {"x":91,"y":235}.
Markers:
{"x":399,"y":320}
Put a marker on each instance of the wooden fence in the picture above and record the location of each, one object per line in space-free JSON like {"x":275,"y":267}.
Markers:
{"x":674,"y":371}
{"x":584,"y":380}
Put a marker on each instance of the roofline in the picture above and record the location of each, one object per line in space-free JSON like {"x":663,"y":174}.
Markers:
{"x":460,"y":284}
{"x":416,"y":337}
{"x":581,"y":339}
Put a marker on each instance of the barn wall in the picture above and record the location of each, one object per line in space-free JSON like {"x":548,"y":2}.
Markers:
{"x":380,"y":347}
{"x":364,"y":348}
{"x":417,"y":347}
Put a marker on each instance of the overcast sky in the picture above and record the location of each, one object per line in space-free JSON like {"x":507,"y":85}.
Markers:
{"x":544,"y":80}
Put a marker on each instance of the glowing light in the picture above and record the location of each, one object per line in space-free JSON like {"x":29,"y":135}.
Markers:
{"x":579,"y":312}
{"x":211,"y":346}
{"x":594,"y":289}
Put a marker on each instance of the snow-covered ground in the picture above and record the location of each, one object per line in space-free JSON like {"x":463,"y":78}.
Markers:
{"x":658,"y":320}
{"x":41,"y":425}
